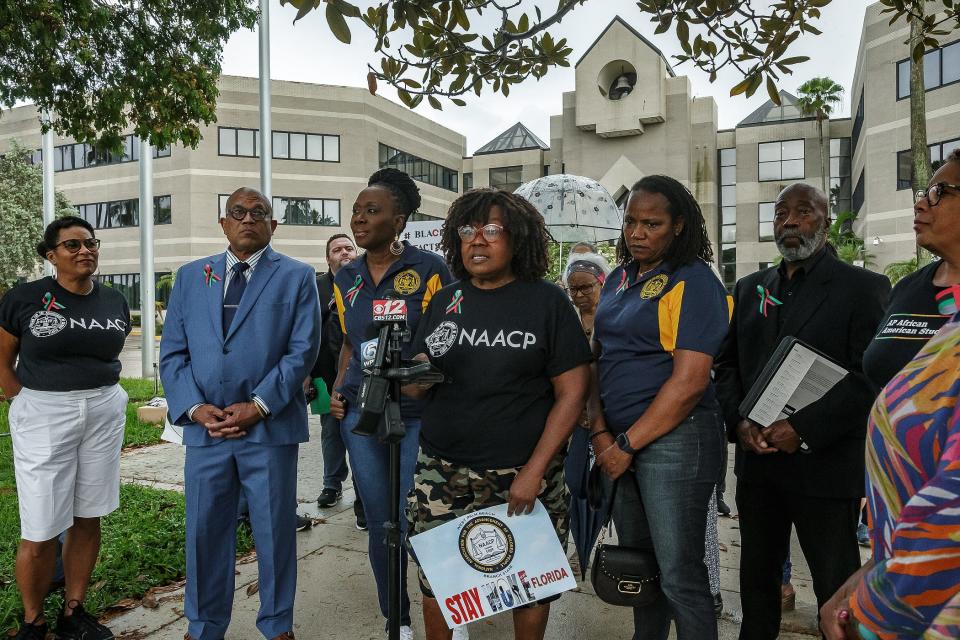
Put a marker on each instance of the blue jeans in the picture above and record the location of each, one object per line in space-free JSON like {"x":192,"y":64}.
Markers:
{"x":335,"y":468}
{"x":661,"y":504}
{"x":371,"y":464}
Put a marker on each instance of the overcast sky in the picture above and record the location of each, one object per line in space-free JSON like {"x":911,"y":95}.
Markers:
{"x":308,"y":52}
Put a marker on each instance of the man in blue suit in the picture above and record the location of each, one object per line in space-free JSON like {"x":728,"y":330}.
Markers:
{"x":241,"y":333}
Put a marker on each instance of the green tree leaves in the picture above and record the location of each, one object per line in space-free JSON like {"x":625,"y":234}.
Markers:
{"x":21,"y":215}
{"x":102,"y":67}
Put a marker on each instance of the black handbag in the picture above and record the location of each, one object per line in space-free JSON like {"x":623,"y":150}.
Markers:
{"x":622,"y":576}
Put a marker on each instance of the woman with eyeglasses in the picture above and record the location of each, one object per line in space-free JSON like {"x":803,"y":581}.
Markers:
{"x":389,"y":267}
{"x":517,"y":360}
{"x":914,"y":312}
{"x":584,"y":277}
{"x":60,"y":341}
{"x":910,"y":587}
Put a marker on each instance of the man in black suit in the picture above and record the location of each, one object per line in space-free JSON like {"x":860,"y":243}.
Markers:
{"x":340,"y":251}
{"x":806,"y":471}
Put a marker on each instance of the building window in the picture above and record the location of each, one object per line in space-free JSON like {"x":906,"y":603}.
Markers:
{"x":289,"y":145}
{"x":506,"y":178}
{"x":467,"y":181}
{"x":938,"y":151}
{"x":307,"y":211}
{"x":858,"y":122}
{"x":128,"y":284}
{"x":940,"y":68}
{"x":857,"y":200}
{"x":728,"y":216}
{"x":418,"y":168}
{"x":781,"y":160}
{"x":840,"y":182}
{"x":765,"y":219}
{"x":239,"y":142}
{"x":79,"y":155}
{"x":117,"y":214}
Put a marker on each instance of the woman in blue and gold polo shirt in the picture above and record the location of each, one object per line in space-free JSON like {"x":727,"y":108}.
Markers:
{"x":379,"y":216}
{"x":654,"y":416}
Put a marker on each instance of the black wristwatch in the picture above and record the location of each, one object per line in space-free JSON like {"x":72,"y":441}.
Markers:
{"x":624,"y":443}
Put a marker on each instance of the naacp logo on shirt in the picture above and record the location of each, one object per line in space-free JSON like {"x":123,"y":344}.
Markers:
{"x":45,"y":323}
{"x":654,"y":286}
{"x":447,"y":334}
{"x":406,"y":282}
{"x":442,"y":338}
{"x":487,"y":544}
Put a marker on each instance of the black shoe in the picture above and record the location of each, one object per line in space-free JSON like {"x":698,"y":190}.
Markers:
{"x":718,"y":605}
{"x":304,"y":523}
{"x":361,"y":522}
{"x":722,"y":508}
{"x":81,"y":625}
{"x":31,"y":631}
{"x":328,"y":498}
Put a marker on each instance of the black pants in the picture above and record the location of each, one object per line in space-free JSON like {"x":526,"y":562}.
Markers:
{"x":827,"y":531}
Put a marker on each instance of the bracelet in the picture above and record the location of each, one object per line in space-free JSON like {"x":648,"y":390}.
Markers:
{"x":597,"y":433}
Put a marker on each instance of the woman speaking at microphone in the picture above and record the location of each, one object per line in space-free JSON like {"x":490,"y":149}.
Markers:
{"x":512,"y":346}
{"x":379,"y":215}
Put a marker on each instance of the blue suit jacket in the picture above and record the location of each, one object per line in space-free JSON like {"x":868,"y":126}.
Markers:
{"x":268,"y":351}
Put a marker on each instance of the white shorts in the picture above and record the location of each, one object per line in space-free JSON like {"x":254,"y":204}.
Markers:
{"x":66,"y":456}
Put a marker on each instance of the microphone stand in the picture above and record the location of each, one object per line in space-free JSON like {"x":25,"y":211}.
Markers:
{"x":395,"y":431}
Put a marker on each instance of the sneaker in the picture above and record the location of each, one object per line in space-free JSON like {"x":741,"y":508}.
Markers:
{"x":863,"y":535}
{"x":329,"y":497}
{"x":718,"y":605}
{"x":722,"y":508}
{"x":81,"y":626}
{"x":461,"y":633}
{"x":303,"y":523}
{"x":406,"y":633}
{"x":361,"y":522}
{"x":32,"y":631}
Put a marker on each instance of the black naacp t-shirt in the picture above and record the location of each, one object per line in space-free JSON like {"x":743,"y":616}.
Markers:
{"x":912,"y":319}
{"x":67,"y":341}
{"x":501,"y":347}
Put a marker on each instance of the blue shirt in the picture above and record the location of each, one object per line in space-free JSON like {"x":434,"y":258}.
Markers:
{"x":640,"y":322}
{"x":415,"y":277}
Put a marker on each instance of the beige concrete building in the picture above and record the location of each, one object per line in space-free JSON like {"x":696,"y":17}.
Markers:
{"x":629,"y":116}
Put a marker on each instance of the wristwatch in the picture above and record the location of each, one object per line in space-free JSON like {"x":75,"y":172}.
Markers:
{"x":624,"y":443}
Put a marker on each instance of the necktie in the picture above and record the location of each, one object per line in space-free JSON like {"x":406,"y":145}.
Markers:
{"x":231,"y":301}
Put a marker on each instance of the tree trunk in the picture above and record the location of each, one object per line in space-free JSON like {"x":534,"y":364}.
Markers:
{"x":918,"y":121}
{"x":824,"y":178}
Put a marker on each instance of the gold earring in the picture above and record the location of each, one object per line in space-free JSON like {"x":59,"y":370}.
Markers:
{"x":396,"y":247}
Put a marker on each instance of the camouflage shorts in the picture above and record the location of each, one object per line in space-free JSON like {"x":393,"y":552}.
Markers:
{"x":444,"y":491}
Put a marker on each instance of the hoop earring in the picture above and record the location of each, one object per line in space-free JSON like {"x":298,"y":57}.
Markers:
{"x":396,"y":247}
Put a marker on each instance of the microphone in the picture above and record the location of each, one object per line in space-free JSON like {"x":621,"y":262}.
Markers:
{"x":390,"y":315}
{"x":389,"y":309}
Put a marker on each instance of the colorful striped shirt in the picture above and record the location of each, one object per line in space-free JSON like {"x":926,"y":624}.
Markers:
{"x":913,"y":493}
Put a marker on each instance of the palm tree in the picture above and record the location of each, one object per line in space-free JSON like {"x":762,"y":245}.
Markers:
{"x":896,"y":271}
{"x":817,"y":98}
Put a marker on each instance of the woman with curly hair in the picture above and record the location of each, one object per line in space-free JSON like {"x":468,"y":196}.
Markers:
{"x":379,"y":215}
{"x":513,"y":347}
{"x":655,"y":423}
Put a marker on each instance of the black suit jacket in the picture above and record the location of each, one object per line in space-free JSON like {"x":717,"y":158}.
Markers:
{"x":837,"y":310}
{"x":326,"y":364}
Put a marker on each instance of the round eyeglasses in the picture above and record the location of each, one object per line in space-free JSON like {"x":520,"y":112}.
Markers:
{"x":491,"y":232}
{"x":238,"y":213}
{"x":934,"y":193}
{"x":73,"y":245}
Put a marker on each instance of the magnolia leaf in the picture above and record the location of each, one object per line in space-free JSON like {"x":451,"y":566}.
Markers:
{"x":337,"y":24}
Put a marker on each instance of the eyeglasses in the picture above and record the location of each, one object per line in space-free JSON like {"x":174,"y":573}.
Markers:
{"x":73,"y":245}
{"x":491,"y":232}
{"x":585,"y":290}
{"x":238,"y":213}
{"x":934,"y":193}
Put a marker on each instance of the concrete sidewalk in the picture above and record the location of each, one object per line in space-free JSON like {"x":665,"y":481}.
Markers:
{"x":336,"y":595}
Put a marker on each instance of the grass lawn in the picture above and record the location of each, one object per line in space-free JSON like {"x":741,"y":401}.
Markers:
{"x":142,"y":541}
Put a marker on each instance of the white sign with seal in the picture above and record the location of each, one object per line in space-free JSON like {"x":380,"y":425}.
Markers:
{"x":485,"y":563}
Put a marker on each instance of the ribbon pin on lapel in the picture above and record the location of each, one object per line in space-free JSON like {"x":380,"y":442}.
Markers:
{"x":455,"y":306}
{"x":623,"y":282}
{"x":209,"y":276}
{"x":50,"y":303}
{"x":766,"y":300}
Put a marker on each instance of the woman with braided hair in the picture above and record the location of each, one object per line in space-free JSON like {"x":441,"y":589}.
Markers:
{"x":379,"y":216}
{"x":655,"y":422}
{"x":512,"y":345}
